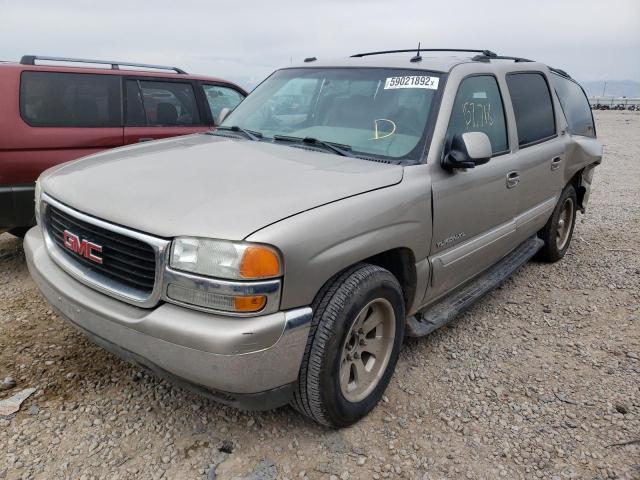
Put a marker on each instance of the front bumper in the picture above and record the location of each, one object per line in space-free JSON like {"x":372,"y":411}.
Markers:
{"x":247,"y":362}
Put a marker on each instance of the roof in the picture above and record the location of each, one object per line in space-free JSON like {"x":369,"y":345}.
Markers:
{"x":428,"y":61}
{"x":395,"y":60}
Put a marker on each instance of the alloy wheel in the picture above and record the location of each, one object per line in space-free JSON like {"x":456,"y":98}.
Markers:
{"x":565,"y":221}
{"x":367,"y":349}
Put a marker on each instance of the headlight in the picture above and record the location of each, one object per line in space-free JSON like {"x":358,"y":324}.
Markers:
{"x":38,"y":199}
{"x":227,"y":262}
{"x":224,"y":259}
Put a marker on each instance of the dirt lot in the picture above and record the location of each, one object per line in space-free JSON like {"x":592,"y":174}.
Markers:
{"x":539,"y":380}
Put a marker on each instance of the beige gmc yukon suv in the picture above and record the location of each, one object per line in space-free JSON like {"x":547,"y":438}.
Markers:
{"x":283,"y":257}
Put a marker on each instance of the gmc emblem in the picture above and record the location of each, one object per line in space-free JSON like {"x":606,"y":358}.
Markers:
{"x":83,"y":248}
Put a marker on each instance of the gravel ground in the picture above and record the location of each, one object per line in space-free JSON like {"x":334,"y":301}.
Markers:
{"x":540,"y":379}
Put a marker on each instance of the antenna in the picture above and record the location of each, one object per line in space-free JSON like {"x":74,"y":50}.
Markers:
{"x":418,"y":57}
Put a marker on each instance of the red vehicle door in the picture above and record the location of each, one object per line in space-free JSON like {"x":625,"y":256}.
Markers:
{"x":160,"y":108}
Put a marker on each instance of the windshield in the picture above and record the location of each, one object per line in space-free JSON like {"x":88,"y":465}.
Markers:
{"x":372,"y":111}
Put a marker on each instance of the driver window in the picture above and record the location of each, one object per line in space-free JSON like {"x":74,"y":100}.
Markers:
{"x":478,"y":108}
{"x":220,"y":97}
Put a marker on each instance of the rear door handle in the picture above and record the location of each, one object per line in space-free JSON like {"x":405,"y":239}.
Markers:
{"x":513,"y":179}
{"x":555,"y":163}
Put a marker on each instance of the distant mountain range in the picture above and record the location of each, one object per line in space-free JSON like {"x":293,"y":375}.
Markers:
{"x":614,"y":88}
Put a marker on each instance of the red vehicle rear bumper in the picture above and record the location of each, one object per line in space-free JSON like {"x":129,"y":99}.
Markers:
{"x":16,"y":205}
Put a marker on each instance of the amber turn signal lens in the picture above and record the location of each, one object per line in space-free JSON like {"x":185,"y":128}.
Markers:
{"x":259,"y":262}
{"x":250,"y":304}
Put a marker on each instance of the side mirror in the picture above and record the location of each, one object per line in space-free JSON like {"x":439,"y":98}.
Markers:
{"x":468,"y":150}
{"x":222,"y":115}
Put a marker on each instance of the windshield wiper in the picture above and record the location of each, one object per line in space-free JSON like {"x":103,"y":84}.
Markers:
{"x":250,"y":134}
{"x":338,"y":148}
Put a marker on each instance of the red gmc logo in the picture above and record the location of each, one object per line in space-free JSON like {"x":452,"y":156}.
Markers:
{"x":82,"y":247}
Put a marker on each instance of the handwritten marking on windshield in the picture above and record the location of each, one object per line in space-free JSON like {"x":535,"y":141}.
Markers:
{"x":376,"y":132}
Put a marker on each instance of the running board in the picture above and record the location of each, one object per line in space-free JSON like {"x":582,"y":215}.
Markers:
{"x":449,"y":307}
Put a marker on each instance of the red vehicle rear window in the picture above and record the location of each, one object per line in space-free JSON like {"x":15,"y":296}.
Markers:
{"x":51,"y":99}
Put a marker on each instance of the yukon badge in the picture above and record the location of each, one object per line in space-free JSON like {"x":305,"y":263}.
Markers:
{"x":451,"y":239}
{"x":83,"y":248}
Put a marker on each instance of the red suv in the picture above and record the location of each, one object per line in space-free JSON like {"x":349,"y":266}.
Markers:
{"x":51,"y":114}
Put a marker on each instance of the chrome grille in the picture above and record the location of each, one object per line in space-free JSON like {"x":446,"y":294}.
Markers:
{"x":128,"y":262}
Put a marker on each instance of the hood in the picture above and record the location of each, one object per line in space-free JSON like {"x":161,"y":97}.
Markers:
{"x":210,"y":186}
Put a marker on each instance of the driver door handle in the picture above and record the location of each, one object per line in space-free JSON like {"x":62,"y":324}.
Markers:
{"x":513,"y":179}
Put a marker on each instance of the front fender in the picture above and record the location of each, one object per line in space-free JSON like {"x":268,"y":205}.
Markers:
{"x":318,"y":243}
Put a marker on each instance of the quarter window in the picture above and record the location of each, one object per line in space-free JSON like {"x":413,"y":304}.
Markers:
{"x":221,"y":97}
{"x":478,"y":108}
{"x":532,"y":107}
{"x":154,"y":103}
{"x":575,"y":106}
{"x":51,"y":99}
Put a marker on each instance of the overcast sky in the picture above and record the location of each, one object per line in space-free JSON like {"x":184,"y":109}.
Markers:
{"x":246,"y":40}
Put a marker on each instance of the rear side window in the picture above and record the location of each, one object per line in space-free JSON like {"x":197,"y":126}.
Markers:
{"x":221,"y":97}
{"x":532,"y":107}
{"x":49,"y":99}
{"x":156,"y":103}
{"x":478,"y":108}
{"x":574,"y":105}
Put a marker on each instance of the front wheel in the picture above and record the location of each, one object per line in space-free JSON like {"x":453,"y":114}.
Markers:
{"x":558,"y":231}
{"x":353,"y":346}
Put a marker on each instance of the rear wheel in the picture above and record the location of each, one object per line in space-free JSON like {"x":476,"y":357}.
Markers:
{"x":558,"y":231}
{"x":353,"y":346}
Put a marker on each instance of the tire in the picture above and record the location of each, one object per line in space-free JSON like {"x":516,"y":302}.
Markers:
{"x":321,"y":392}
{"x":19,"y":232}
{"x":563,"y":219}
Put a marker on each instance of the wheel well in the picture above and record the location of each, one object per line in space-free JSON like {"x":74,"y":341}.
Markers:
{"x":402,"y":264}
{"x":576,"y":181}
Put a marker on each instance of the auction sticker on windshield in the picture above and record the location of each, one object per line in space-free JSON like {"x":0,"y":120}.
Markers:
{"x":412,"y":81}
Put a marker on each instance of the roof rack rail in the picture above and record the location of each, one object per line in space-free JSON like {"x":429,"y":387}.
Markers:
{"x":115,"y":65}
{"x":487,"y":53}
{"x":487,"y":58}
{"x":562,"y":73}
